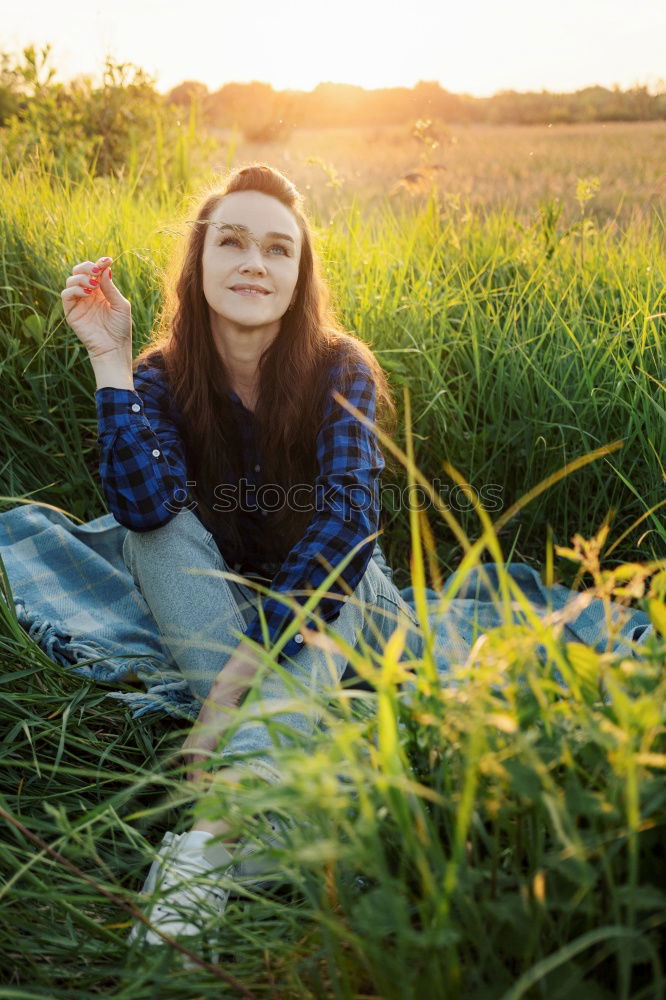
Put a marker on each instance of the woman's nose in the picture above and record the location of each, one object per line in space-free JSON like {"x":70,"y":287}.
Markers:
{"x":253,"y":260}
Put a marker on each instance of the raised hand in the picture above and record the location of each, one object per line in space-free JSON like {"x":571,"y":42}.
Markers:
{"x":99,"y":315}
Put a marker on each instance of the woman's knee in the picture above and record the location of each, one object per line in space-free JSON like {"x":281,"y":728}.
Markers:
{"x":181,"y":531}
{"x":181,"y":540}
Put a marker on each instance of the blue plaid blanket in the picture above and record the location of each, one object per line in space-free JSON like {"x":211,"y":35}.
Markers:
{"x":75,"y":598}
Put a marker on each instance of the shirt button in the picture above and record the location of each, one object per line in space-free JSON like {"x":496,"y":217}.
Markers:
{"x":135,"y":407}
{"x":156,"y":453}
{"x":264,"y":513}
{"x":298,"y":637}
{"x":257,"y":468}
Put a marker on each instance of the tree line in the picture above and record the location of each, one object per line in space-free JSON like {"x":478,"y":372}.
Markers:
{"x":336,"y":104}
{"x":124,"y":123}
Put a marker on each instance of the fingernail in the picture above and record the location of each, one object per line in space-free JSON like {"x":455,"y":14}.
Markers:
{"x":88,"y":290}
{"x":94,"y":281}
{"x":109,"y":272}
{"x":95,"y":269}
{"x":105,"y":260}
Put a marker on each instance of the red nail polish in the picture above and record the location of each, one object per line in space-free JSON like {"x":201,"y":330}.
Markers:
{"x":96,"y":270}
{"x":94,"y":282}
{"x":88,"y":290}
{"x":109,"y":272}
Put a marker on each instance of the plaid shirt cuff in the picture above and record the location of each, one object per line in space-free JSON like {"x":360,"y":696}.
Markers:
{"x":117,"y":408}
{"x":275,"y":628}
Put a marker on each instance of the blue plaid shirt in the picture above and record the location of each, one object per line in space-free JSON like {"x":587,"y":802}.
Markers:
{"x":143,"y":468}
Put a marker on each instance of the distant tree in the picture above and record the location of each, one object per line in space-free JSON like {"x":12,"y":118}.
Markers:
{"x":261,"y":113}
{"x":338,"y":103}
{"x":238,"y":103}
{"x":435,"y":102}
{"x":186,"y":93}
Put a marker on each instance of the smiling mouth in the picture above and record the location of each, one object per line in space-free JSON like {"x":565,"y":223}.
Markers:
{"x":245,"y":290}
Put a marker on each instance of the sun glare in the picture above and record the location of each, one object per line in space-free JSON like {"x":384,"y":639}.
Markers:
{"x":478,"y":48}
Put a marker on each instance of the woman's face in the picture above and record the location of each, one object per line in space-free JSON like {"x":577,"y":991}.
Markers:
{"x":253,"y":240}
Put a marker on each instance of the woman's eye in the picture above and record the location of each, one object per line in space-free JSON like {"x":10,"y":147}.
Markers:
{"x":234,"y":241}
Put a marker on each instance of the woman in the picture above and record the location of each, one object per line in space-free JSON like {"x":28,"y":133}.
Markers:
{"x":234,"y":399}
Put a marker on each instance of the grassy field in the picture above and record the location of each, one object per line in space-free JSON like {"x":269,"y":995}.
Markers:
{"x":499,"y":837}
{"x":510,"y":168}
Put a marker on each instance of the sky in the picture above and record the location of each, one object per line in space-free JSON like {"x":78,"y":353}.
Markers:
{"x":470,"y":46}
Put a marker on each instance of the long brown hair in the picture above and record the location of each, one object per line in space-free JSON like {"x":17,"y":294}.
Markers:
{"x":293,"y":375}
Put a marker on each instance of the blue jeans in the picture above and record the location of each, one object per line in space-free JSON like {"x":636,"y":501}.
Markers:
{"x":202,"y":616}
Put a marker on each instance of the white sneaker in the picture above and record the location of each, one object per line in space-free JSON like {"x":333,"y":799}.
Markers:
{"x":183,"y":896}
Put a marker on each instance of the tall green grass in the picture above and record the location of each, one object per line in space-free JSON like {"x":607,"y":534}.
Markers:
{"x":496,"y":837}
{"x":519,"y":358}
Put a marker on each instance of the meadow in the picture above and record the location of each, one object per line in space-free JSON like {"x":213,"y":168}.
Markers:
{"x":495,"y":837}
{"x":511,"y":168}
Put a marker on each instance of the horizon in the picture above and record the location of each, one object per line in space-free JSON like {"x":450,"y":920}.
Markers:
{"x":652,"y":88}
{"x":477,"y":51}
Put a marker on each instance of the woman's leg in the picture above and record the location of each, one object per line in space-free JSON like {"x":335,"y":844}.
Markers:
{"x":371,"y":613}
{"x":201,"y":616}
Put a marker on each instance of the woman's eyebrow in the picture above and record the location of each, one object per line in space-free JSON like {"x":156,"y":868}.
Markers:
{"x":281,"y":236}
{"x":244,"y":229}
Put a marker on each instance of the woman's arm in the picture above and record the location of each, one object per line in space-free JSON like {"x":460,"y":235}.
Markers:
{"x":113,"y":370}
{"x":142,"y":464}
{"x":218,"y":710}
{"x":142,"y":458}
